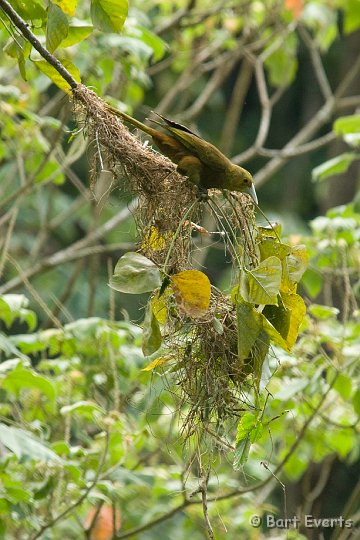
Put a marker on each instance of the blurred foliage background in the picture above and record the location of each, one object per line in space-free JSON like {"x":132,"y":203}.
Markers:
{"x":275,"y":84}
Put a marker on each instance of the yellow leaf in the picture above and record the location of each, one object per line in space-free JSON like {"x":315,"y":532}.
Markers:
{"x":68,"y":6}
{"x":159,"y":306}
{"x":296,"y":305}
{"x":293,"y":266}
{"x":158,"y":362}
{"x":192,"y":291}
{"x":55,"y":76}
{"x":155,"y":240}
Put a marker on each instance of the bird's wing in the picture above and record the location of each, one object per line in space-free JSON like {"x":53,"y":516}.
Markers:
{"x":206,"y":152}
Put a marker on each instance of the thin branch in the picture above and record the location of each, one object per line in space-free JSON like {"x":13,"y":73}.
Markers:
{"x":303,"y":149}
{"x":26,"y":32}
{"x":317,"y":63}
{"x":81,"y":499}
{"x":74,"y":251}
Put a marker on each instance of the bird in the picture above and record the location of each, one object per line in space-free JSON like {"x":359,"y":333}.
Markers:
{"x":204,"y":164}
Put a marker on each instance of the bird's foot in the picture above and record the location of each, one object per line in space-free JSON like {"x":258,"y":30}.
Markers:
{"x":202,"y":194}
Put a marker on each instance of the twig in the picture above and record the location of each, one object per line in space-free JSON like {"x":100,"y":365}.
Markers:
{"x":81,"y":499}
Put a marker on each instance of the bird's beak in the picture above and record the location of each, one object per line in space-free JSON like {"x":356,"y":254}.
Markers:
{"x":251,"y":191}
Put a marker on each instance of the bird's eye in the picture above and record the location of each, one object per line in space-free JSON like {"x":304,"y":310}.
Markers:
{"x":246,"y":181}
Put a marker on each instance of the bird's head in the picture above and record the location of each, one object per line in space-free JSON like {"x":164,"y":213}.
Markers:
{"x":241,"y":180}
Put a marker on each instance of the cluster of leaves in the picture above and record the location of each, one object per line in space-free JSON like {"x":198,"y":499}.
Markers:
{"x":66,"y":24}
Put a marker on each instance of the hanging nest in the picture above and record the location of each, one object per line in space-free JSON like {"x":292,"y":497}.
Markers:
{"x":204,"y":360}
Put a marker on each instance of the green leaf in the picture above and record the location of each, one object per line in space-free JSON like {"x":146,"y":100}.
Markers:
{"x":249,"y":430}
{"x":157,"y":45}
{"x":29,"y":10}
{"x":241,"y":453}
{"x":343,"y":386}
{"x":270,"y":246}
{"x":287,"y":316}
{"x":356,"y":402}
{"x":21,"y":378}
{"x":249,"y":327}
{"x":352,"y":15}
{"x":347,"y":124}
{"x":323,"y":312}
{"x":333,"y":166}
{"x":25,"y":445}
{"x":245,"y":426}
{"x":261,"y":285}
{"x":312,"y":281}
{"x":282,"y":63}
{"x":135,"y":274}
{"x":152,"y":337}
{"x":82,"y":408}
{"x":55,"y":76}
{"x":274,"y":335}
{"x":109,"y":15}
{"x":76,"y":34}
{"x":57,"y":27}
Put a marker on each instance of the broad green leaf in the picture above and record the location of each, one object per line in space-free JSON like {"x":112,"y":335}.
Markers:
{"x":333,"y":166}
{"x":109,"y":15}
{"x":68,"y":6}
{"x":157,"y":45}
{"x":273,"y":230}
{"x":20,"y":49}
{"x":347,"y":124}
{"x":55,"y":76}
{"x":245,"y":426}
{"x":249,"y":430}
{"x":21,"y":378}
{"x":76,"y":34}
{"x":25,"y":445}
{"x":352,"y":15}
{"x":269,"y":247}
{"x":9,"y":348}
{"x":312,"y":281}
{"x":192,"y":291}
{"x":241,"y":453}
{"x":57,"y":27}
{"x":249,"y":327}
{"x":152,"y":337}
{"x":323,"y":312}
{"x":29,"y":10}
{"x":135,"y":274}
{"x":356,"y":402}
{"x":287,"y":316}
{"x":274,"y":335}
{"x":261,"y":285}
{"x":343,"y":386}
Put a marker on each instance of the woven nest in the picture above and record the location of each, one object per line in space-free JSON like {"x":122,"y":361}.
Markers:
{"x":212,"y":384}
